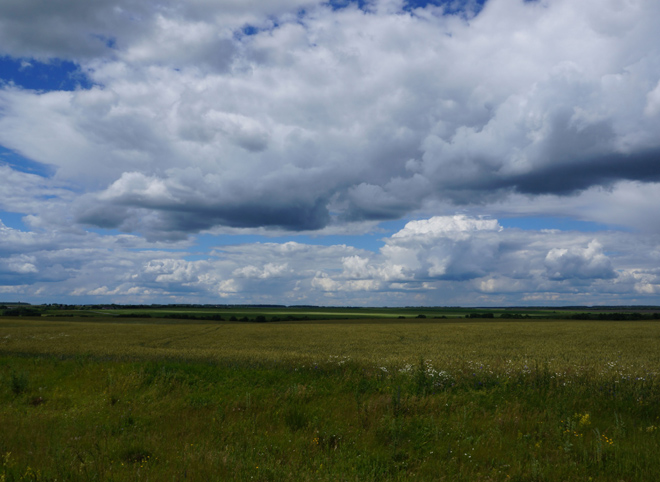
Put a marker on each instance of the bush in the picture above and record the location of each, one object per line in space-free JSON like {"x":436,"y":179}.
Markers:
{"x":480,"y":315}
{"x":19,"y":382}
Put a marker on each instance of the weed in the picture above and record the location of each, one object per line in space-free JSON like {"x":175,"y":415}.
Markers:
{"x":295,"y":417}
{"x":19,"y":382}
{"x":135,"y":455}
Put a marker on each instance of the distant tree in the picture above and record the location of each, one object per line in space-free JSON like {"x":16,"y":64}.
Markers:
{"x":20,"y":311}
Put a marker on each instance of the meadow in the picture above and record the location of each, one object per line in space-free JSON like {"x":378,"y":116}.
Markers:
{"x":113,"y":398}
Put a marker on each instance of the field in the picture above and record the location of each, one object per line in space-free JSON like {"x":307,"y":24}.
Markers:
{"x":98,"y":396}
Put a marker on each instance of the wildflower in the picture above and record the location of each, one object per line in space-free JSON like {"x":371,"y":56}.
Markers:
{"x":607,"y":440}
{"x":584,"y":420}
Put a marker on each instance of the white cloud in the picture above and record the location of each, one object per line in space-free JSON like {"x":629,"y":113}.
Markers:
{"x":21,"y":264}
{"x":457,"y":227}
{"x":330,"y":116}
{"x":444,"y":247}
{"x":587,"y":263}
{"x":442,"y":260}
{"x":330,"y":120}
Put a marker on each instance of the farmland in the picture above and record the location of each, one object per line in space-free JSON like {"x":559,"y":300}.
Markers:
{"x":327,"y":395}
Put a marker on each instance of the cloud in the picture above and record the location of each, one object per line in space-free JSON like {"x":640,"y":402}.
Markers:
{"x":191,"y":202}
{"x":295,"y":116}
{"x":79,"y":30}
{"x":587,"y":263}
{"x":458,"y":226}
{"x":449,"y":247}
{"x":652,"y":108}
{"x":445,"y":260}
{"x":627,"y":204}
{"x":20,"y":264}
{"x":22,"y":192}
{"x":325,"y":115}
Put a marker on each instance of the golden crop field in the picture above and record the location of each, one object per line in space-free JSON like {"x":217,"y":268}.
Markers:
{"x":635,"y":345}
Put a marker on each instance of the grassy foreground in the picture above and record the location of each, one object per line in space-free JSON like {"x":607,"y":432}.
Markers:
{"x":408,"y":400}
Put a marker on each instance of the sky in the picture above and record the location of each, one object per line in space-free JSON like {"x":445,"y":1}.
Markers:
{"x":342,"y":153}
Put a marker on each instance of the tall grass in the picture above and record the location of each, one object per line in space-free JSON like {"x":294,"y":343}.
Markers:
{"x":418,"y":402}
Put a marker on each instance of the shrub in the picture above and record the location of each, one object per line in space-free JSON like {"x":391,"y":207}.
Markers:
{"x":19,"y":382}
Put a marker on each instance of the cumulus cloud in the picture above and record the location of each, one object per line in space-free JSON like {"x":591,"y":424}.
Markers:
{"x":445,"y":260}
{"x":300,"y":116}
{"x":323,"y":115}
{"x":446,"y":247}
{"x":587,"y":263}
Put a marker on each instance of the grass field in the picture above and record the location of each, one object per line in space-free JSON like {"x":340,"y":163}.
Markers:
{"x":108,"y":398}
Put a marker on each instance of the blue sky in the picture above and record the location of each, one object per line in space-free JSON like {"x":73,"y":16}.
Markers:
{"x":45,"y":76}
{"x":491,"y":153}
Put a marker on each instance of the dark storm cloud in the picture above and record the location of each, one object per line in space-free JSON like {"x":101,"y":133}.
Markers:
{"x":175,"y":221}
{"x":566,"y":178}
{"x":273,"y":213}
{"x":373,"y":202}
{"x":103,"y":216}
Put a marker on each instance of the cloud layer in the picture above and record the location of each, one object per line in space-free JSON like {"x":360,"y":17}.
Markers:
{"x":329,"y":115}
{"x":294,"y":116}
{"x":445,"y":260}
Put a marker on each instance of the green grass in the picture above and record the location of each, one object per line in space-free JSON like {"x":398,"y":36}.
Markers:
{"x":489,"y":401}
